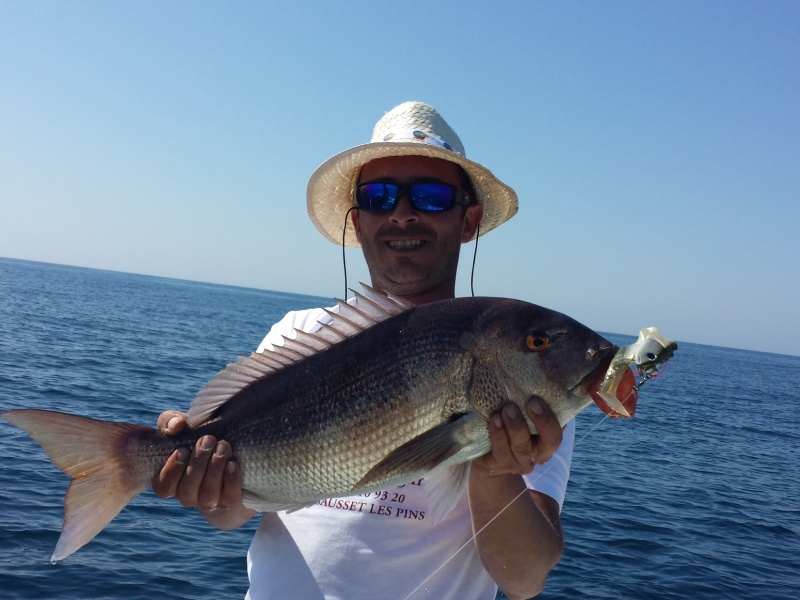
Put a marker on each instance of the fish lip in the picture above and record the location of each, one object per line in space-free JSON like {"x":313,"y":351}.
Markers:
{"x":593,"y":382}
{"x":596,"y":375}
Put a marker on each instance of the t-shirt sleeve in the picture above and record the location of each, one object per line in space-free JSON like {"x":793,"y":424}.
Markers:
{"x":551,"y":478}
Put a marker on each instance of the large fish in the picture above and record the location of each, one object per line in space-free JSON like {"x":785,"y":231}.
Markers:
{"x":384,"y":394}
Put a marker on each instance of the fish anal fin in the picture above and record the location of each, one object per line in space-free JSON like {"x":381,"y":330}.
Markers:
{"x":258,"y":503}
{"x":422,"y":454}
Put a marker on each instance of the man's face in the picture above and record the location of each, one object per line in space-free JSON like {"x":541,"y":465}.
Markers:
{"x":414,"y":253}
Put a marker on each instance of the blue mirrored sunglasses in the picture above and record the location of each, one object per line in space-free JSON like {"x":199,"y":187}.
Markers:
{"x":380,"y":196}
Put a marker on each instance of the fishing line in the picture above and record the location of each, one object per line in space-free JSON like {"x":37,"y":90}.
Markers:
{"x":500,"y":512}
{"x":344,"y":260}
{"x":474,"y":256}
{"x":600,"y":422}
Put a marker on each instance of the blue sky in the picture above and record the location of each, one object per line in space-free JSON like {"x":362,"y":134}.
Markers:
{"x":655,"y":147}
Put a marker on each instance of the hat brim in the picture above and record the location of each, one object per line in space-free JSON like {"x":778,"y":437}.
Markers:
{"x":330,"y":189}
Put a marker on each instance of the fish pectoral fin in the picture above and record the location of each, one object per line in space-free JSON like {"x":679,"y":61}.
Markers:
{"x":258,"y":503}
{"x":421,"y":454}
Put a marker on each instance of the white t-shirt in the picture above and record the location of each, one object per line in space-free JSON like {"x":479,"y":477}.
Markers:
{"x":382,"y":545}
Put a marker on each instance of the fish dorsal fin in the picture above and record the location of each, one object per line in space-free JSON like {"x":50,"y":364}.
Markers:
{"x":346,"y":321}
{"x":381,"y":302}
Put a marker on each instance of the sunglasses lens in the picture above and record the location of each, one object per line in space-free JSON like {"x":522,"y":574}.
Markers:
{"x":378,"y":197}
{"x":432,"y":197}
{"x":426,"y":197}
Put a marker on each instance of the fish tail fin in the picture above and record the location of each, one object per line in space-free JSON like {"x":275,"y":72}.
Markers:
{"x":106,"y":476}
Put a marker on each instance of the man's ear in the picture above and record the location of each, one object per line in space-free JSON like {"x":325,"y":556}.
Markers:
{"x":472,"y":218}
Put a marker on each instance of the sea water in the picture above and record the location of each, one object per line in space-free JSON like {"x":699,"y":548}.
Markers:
{"x":697,"y":497}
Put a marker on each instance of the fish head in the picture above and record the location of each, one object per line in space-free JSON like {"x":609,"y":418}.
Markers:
{"x":534,"y":351}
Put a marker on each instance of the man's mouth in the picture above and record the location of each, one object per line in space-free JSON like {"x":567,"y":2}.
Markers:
{"x":404,"y":244}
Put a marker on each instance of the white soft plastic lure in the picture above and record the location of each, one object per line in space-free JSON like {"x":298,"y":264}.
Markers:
{"x":647,"y":353}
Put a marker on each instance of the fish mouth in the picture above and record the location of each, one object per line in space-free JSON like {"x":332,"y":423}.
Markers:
{"x":623,"y":402}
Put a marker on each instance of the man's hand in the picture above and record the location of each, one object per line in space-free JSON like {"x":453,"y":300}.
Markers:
{"x":514,"y":449}
{"x":521,"y":536}
{"x":207,"y":478}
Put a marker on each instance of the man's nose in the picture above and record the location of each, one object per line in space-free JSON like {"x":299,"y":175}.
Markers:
{"x":404,"y":211}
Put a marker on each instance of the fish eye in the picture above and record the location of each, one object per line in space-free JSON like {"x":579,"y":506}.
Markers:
{"x":537,"y":342}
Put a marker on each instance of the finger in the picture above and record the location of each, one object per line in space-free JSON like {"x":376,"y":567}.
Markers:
{"x":519,"y":440}
{"x":189,"y":487}
{"x":165,"y":482}
{"x":210,"y":492}
{"x":171,"y":422}
{"x":548,"y":428}
{"x":497,"y":462}
{"x":232,"y":486}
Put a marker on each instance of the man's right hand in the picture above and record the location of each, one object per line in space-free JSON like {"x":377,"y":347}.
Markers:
{"x":207,"y":478}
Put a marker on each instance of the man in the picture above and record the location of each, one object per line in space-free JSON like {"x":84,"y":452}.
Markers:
{"x":418,"y":199}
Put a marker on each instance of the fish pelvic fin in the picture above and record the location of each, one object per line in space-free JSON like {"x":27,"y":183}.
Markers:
{"x":93,"y":454}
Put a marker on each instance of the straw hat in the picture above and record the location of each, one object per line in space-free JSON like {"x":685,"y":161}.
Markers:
{"x":412,"y":128}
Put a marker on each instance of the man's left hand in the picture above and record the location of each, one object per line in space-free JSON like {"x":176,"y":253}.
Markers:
{"x":514,"y":449}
